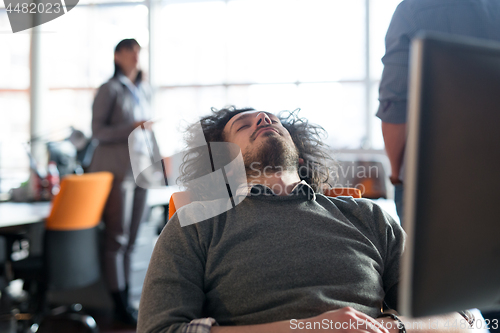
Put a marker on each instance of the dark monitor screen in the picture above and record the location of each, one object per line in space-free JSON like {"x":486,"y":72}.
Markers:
{"x":452,"y":181}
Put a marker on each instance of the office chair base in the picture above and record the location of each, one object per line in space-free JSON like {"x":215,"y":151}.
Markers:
{"x":68,"y":319}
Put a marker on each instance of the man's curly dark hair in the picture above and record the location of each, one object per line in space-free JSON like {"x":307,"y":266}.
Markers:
{"x":317,"y":170}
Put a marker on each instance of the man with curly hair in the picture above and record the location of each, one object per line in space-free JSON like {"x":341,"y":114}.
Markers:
{"x":297,"y":147}
{"x":286,"y":257}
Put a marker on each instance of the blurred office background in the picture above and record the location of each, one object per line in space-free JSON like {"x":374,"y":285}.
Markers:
{"x":322,"y":56}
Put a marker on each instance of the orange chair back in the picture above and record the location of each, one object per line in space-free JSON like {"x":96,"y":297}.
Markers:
{"x":80,"y":202}
{"x":343,"y":192}
{"x":183,"y":198}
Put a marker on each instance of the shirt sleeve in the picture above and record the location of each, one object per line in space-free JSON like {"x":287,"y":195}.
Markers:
{"x":203,"y":325}
{"x":173,"y":292}
{"x":104,"y":103}
{"x":393,"y":88}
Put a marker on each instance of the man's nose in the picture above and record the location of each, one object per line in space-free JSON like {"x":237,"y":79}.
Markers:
{"x":263,"y":119}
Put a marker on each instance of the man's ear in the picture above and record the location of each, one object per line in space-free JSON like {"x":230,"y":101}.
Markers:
{"x":301,"y":161}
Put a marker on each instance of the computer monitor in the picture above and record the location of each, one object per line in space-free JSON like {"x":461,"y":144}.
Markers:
{"x":452,"y":181}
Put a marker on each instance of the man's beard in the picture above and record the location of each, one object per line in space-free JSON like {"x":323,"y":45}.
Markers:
{"x":274,"y":154}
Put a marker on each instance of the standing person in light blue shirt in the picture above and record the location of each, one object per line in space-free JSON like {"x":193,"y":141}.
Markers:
{"x":471,"y":18}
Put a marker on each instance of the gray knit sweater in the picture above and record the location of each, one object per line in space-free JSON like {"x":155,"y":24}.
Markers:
{"x":272,"y":258}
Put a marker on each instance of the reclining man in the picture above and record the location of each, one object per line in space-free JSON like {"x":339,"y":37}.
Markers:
{"x":286,"y":257}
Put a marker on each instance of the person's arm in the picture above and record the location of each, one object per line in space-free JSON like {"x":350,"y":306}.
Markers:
{"x":173,"y":292}
{"x":393,"y":88}
{"x":350,"y":320}
{"x":395,"y":142}
{"x":102,"y":108}
{"x":341,"y":320}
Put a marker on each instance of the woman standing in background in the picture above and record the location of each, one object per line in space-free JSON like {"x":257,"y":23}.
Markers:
{"x":121,"y":105}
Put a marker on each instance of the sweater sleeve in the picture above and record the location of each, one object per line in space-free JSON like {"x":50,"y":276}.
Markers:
{"x":104,"y":102}
{"x":389,"y":238}
{"x":173,"y":292}
{"x":394,"y":237}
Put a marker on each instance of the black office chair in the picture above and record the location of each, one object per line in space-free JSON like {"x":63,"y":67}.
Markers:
{"x":6,"y":317}
{"x":3,"y":260}
{"x":71,"y":254}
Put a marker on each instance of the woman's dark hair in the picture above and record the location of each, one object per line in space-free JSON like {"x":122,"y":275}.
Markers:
{"x":128,"y":44}
{"x":318,"y":167}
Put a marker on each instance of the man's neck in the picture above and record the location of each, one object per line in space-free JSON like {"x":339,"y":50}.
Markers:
{"x":281,"y":182}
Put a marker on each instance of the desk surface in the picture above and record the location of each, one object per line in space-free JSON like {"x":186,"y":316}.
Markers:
{"x":19,"y":213}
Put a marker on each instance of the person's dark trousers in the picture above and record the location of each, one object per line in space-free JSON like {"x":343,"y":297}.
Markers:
{"x":122,"y":216}
{"x":124,"y":313}
{"x":398,"y":200}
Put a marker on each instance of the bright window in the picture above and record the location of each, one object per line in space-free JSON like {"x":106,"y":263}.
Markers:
{"x":275,"y":55}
